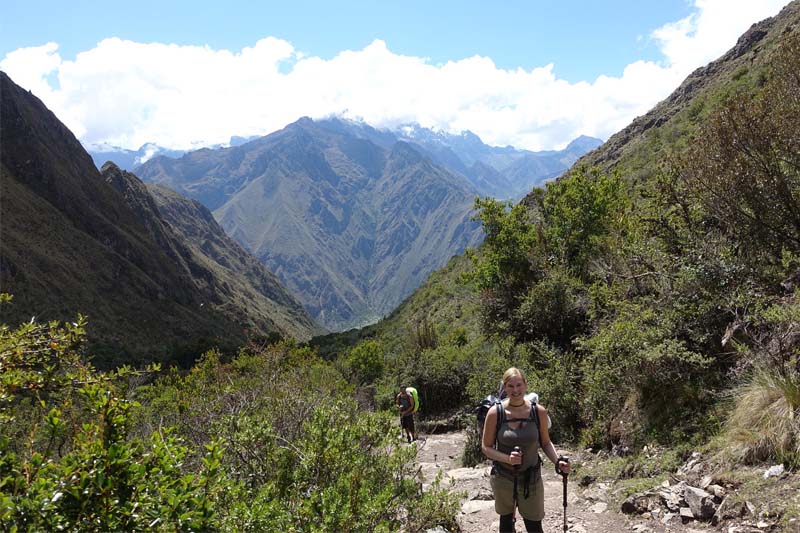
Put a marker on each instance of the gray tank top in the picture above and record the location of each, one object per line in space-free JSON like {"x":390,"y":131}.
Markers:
{"x":524,"y":433}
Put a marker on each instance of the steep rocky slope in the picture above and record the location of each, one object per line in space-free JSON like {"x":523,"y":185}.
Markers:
{"x":73,"y":242}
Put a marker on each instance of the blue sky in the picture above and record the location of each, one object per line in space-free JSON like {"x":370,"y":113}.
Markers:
{"x":583,"y":39}
{"x":533,"y":74}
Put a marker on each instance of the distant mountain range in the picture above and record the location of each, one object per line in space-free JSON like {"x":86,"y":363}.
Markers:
{"x":154,"y":272}
{"x":500,"y":172}
{"x":130,"y":159}
{"x":505,"y":173}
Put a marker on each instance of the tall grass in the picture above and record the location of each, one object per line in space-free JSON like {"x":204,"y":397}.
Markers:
{"x":765,"y":422}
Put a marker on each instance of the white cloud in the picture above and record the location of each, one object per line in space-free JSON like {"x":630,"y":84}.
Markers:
{"x":710,"y":31}
{"x":126,"y":93}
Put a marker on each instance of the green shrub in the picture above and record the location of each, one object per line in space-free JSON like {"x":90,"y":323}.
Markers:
{"x":72,"y":464}
{"x":365,"y":362}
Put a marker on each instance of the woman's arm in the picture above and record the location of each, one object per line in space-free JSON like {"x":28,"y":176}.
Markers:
{"x":488,"y":440}
{"x":547,"y":445}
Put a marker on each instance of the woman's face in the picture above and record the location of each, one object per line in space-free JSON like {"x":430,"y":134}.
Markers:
{"x":516,"y":389}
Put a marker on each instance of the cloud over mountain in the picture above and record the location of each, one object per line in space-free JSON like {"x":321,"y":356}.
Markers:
{"x":127,"y":93}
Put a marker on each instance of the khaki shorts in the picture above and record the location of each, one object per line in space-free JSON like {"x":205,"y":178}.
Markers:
{"x":531,"y":507}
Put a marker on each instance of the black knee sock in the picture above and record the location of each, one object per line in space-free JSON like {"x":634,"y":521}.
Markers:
{"x":507,"y":523}
{"x":533,"y":526}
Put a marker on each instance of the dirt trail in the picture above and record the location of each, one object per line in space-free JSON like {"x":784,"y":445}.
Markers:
{"x":587,"y":512}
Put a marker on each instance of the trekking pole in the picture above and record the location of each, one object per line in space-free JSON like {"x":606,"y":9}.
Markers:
{"x":516,"y":480}
{"x":564,"y":475}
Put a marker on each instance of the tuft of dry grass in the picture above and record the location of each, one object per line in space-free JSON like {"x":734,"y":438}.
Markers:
{"x":765,"y":422}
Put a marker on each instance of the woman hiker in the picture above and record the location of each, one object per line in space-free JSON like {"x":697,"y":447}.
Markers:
{"x":512,"y":439}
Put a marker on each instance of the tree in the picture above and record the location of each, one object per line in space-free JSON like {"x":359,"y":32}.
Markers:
{"x":744,"y":165}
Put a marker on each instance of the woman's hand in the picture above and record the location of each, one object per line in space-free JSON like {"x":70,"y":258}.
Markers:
{"x":515,"y":458}
{"x":563,"y":465}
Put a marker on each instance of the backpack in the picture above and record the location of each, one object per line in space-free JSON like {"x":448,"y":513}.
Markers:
{"x":490,"y":401}
{"x":414,"y":394}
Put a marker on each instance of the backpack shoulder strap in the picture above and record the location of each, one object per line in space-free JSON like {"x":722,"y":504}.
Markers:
{"x":501,"y":414}
{"x":535,"y":416}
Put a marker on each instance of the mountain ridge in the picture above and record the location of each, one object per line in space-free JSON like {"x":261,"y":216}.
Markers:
{"x":335,"y":216}
{"x":75,"y":241}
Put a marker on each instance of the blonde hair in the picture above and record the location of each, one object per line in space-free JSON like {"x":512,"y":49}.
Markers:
{"x":513,"y":372}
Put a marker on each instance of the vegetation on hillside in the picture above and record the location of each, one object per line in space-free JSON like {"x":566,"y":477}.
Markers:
{"x":271,"y":440}
{"x":621,"y":296}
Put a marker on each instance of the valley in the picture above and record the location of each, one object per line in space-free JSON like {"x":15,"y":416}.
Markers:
{"x":217,"y":341}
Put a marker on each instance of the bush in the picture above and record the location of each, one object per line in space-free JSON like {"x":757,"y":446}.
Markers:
{"x":299,"y":450}
{"x":67,"y":459}
{"x":365,"y":362}
{"x":553,"y":376}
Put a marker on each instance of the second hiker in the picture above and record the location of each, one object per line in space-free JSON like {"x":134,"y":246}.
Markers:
{"x":407,"y":405}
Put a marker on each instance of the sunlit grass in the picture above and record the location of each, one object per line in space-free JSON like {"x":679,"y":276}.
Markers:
{"x":765,"y":423}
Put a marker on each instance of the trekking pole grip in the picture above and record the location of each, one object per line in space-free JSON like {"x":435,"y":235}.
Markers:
{"x":561,"y":459}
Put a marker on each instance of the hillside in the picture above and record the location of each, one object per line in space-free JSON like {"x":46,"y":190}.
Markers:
{"x":229,"y":278}
{"x":74,"y":241}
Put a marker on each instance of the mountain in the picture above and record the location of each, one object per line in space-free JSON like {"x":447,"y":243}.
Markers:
{"x":502,"y":172}
{"x":75,"y":241}
{"x":350,"y":225}
{"x":130,"y":159}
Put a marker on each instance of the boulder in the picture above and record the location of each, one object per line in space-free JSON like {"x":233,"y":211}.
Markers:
{"x":671,"y":500}
{"x":774,"y":471}
{"x":476,"y":506}
{"x":638,"y":503}
{"x":480,"y":493}
{"x":463,"y":474}
{"x":700,"y":502}
{"x":718,"y":491}
{"x":599,"y":507}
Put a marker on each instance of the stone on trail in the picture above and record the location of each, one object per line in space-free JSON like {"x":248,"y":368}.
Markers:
{"x":463,"y":474}
{"x":595,"y":494}
{"x":599,"y":507}
{"x":637,"y":503}
{"x":700,"y":502}
{"x":774,"y":471}
{"x":476,"y":506}
{"x":480,"y":493}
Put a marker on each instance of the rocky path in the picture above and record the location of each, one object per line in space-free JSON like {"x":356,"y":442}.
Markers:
{"x":587,"y":511}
